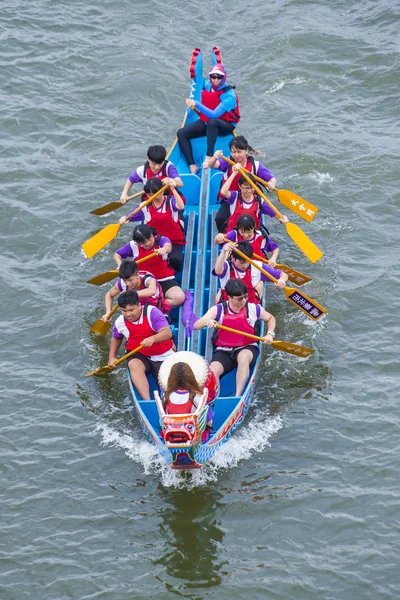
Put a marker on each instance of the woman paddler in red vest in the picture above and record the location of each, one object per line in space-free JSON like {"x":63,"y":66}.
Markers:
{"x":246,"y":231}
{"x":143,"y":282}
{"x":245,"y":201}
{"x":233,"y":350}
{"x":145,"y":241}
{"x":164,"y":214}
{"x":241,"y":153}
{"x":219,"y":114}
{"x":145,"y":326}
{"x":230,"y":265}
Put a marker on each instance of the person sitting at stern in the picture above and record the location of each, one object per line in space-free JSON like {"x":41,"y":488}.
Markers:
{"x":219,"y":114}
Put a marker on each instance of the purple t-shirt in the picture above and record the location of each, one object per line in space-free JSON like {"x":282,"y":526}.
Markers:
{"x":256,"y":275}
{"x":260,"y":170}
{"x":131,"y":249}
{"x":233,"y":198}
{"x":144,"y":214}
{"x":138,"y":175}
{"x":268,"y":246}
{"x":156,"y":319}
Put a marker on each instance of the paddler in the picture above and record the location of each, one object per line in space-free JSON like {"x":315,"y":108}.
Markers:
{"x":156,"y":165}
{"x":231,"y":266}
{"x":232,"y":350}
{"x":219,"y":114}
{"x":245,"y":201}
{"x":146,"y":326}
{"x":241,"y":153}
{"x":165,"y":215}
{"x":144,"y":283}
{"x":145,"y":241}
{"x":246,"y":231}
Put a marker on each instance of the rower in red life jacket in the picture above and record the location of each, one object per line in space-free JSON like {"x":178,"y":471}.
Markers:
{"x":145,"y":241}
{"x":241,"y":153}
{"x":156,"y":165}
{"x":230,"y":265}
{"x":246,"y":231}
{"x":245,"y":201}
{"x":164,"y":214}
{"x":143,"y":282}
{"x":232,"y":350}
{"x":219,"y":114}
{"x":146,"y":326}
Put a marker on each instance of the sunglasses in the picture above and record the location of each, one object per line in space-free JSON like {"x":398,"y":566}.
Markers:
{"x":216,"y":77}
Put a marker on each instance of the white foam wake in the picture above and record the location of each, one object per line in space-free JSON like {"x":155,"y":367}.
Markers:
{"x":252,"y":437}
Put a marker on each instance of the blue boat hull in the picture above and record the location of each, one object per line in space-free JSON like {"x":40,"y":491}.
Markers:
{"x":200,"y":252}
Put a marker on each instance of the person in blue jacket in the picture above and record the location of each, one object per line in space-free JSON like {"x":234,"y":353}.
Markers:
{"x":219,"y":113}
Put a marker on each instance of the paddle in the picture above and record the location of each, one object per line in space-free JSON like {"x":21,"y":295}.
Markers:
{"x":293,"y":275}
{"x":109,"y":275}
{"x":297,"y":204}
{"x":298,"y":298}
{"x":299,"y":351}
{"x":102,"y":327}
{"x":312,"y":252}
{"x":106,"y":235}
{"x":103,"y":210}
{"x":107,"y":369}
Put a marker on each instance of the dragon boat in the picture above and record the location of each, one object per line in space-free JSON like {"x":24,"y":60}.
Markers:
{"x":179,"y":437}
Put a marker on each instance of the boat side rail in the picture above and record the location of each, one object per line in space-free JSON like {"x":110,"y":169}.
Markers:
{"x":213,"y":280}
{"x":187,"y":268}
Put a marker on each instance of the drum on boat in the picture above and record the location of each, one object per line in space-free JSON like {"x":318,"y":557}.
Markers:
{"x":200,"y":367}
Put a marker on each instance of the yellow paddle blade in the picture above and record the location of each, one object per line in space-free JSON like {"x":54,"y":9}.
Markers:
{"x":294,"y":276}
{"x":103,"y":277}
{"x":311,"y":308}
{"x":297,"y":204}
{"x":100,"y":327}
{"x":103,"y":210}
{"x":101,"y":239}
{"x":100,"y":371}
{"x":312,"y":252}
{"x":299,"y":351}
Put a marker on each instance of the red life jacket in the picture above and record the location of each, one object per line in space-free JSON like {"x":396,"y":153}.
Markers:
{"x":227,"y":339}
{"x":158,"y":300}
{"x":173,"y":408}
{"x":233,"y":274}
{"x":254,"y":210}
{"x":250,"y":166}
{"x":148,"y":173}
{"x":162,"y":220}
{"x":141,"y":329}
{"x":157,"y":265}
{"x":256,"y":242}
{"x":212,"y":99}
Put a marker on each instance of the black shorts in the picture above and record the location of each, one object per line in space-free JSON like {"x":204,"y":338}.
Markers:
{"x":150,"y":366}
{"x":168,"y":284}
{"x":228,"y":358}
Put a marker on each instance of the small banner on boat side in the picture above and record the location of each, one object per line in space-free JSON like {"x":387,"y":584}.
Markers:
{"x":310,"y":307}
